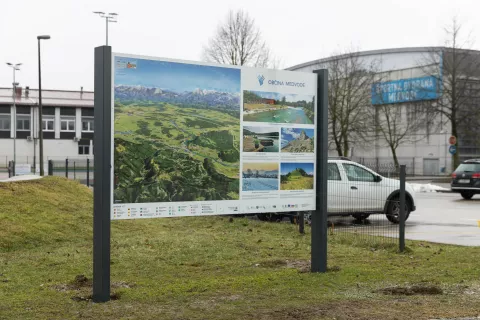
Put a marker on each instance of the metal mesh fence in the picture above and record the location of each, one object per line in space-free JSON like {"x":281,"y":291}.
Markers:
{"x":362,"y":206}
{"x":77,"y":169}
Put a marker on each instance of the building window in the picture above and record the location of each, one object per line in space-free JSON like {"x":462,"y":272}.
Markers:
{"x":48,"y":124}
{"x":4,"y":122}
{"x":23,"y":123}
{"x":84,"y":150}
{"x":87,"y":124}
{"x":67,"y":124}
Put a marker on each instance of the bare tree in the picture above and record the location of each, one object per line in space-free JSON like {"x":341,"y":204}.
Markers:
{"x":398,"y":124}
{"x":349,"y":100}
{"x":238,"y":41}
{"x":457,"y":70}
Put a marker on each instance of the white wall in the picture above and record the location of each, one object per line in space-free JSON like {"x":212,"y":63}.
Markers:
{"x":388,"y":61}
{"x":52,"y":150}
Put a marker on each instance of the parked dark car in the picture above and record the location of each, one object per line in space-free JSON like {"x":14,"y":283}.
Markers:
{"x":466,"y":179}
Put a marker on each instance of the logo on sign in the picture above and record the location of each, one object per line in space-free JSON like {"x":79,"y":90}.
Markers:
{"x":261,"y":78}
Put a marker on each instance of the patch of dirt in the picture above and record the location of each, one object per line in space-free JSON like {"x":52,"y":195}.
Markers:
{"x":113,"y":296}
{"x":83,"y":286}
{"x":413,"y":290}
{"x":273,"y":263}
{"x":82,"y":282}
{"x":409,"y":308}
{"x":334,"y":269}
{"x":303,"y":266}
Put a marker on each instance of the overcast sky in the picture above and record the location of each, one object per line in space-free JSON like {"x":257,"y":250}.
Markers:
{"x":296,"y":31}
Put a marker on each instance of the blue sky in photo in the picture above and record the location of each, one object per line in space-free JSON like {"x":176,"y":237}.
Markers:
{"x":177,"y":77}
{"x":289,"y":167}
{"x":279,"y":96}
{"x":289,"y":134}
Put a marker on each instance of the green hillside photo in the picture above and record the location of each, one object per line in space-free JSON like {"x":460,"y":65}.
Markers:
{"x":296,"y":176}
{"x":180,"y":144}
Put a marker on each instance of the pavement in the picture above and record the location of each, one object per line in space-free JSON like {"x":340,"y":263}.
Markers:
{"x":445,"y":218}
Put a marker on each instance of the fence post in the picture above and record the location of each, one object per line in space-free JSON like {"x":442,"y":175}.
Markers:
{"x":66,"y":168}
{"x":50,"y":167}
{"x":74,"y":171}
{"x":88,"y":172}
{"x":301,"y":222}
{"x":13,"y":168}
{"x":10,"y":170}
{"x":402,"y":208}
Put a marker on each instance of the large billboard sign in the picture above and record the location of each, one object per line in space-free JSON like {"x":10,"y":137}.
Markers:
{"x":405,"y":90}
{"x":195,"y":139}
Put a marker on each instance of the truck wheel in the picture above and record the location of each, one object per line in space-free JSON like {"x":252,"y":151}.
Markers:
{"x":467,"y":195}
{"x":393,"y":210}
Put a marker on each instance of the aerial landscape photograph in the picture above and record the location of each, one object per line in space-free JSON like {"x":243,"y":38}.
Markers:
{"x":260,"y":139}
{"x":278,"y":108}
{"x":298,"y":140}
{"x":260,"y":176}
{"x":177,"y":132}
{"x":296,"y":176}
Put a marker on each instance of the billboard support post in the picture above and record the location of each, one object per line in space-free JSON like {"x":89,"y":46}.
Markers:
{"x":102,"y":174}
{"x":319,"y":216}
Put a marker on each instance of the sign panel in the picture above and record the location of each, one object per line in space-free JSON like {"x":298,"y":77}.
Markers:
{"x":452,"y":150}
{"x":23,"y":169}
{"x":405,"y":90}
{"x":202,"y":139}
{"x":452,"y":140}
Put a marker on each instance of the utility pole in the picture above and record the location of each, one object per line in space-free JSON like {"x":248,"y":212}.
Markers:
{"x":40,"y":109}
{"x":15,"y":67}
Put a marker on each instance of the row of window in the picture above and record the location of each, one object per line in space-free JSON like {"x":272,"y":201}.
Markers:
{"x":48,"y":124}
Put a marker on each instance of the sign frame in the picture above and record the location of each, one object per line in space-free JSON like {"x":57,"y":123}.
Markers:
{"x":103,"y":175}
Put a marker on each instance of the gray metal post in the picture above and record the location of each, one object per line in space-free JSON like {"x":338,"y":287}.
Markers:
{"x":402,"y":207}
{"x":40,"y":112}
{"x":319,"y":216}
{"x":50,"y":167}
{"x":102,"y":197}
{"x":66,"y":168}
{"x":301,"y":222}
{"x":88,"y":172}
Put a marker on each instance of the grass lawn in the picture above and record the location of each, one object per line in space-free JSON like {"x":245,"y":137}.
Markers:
{"x":213,"y":267}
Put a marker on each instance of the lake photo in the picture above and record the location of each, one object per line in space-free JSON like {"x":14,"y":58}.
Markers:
{"x":260,"y":177}
{"x":260,"y":139}
{"x":275,"y":107}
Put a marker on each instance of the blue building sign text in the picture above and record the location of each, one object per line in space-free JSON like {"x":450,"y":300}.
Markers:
{"x":405,"y":90}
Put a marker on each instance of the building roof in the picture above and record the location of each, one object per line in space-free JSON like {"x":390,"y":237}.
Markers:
{"x":368,"y":53}
{"x":54,"y":98}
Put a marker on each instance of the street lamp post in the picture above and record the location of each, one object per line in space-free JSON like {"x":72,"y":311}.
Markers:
{"x":15,"y":67}
{"x":40,"y":124}
{"x":109,"y":17}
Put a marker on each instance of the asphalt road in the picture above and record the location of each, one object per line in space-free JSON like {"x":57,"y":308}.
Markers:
{"x":445,"y":218}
